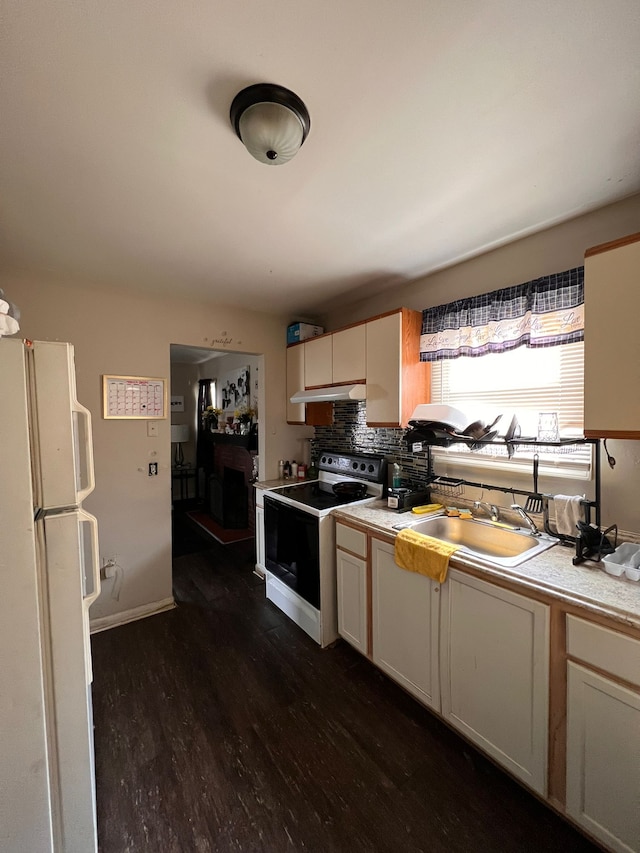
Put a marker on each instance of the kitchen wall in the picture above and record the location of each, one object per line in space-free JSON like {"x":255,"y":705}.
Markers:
{"x":559,"y":248}
{"x":119,"y":332}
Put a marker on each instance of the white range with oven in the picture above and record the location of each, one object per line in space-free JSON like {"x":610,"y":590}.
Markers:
{"x":300,"y":547}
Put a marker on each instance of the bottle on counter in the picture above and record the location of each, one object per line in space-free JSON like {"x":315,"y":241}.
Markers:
{"x":287,"y":470}
{"x":281,"y":469}
{"x":294,"y":469}
{"x":302,"y":471}
{"x":396,"y":480}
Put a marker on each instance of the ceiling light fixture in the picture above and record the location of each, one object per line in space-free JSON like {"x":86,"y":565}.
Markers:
{"x":271,"y":121}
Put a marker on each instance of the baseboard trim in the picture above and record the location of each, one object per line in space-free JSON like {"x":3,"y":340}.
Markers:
{"x":103,"y":623}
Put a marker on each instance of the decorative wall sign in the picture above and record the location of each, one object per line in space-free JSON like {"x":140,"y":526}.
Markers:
{"x":134,"y":397}
{"x":177,"y":404}
{"x":234,"y":390}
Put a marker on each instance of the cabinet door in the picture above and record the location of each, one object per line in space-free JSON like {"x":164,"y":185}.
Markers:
{"x":383,"y":370}
{"x":397,"y":381}
{"x":318,"y":362}
{"x":353,"y":623}
{"x":295,"y":382}
{"x":405,"y":619}
{"x":260,"y":540}
{"x":603,"y":758}
{"x":495,"y":673}
{"x":349,"y":348}
{"x":611,"y":340}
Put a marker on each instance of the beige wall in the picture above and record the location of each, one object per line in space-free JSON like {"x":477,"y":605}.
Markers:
{"x":122,"y":333}
{"x":553,"y":250}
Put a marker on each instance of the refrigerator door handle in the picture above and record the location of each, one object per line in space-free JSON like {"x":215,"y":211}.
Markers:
{"x":92,"y":573}
{"x":84,"y":450}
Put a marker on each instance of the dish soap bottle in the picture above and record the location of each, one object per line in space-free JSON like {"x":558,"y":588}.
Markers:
{"x":396,"y":477}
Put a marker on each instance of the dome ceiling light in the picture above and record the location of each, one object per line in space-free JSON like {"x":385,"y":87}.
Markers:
{"x":271,"y":121}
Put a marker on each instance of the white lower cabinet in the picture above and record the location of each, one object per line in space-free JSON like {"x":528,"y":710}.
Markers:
{"x":603,"y":735}
{"x":478,"y":654}
{"x":495,"y":673}
{"x":405,"y":620}
{"x":353,"y":622}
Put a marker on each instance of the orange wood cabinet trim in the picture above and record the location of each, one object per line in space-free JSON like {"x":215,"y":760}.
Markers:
{"x":348,"y":550}
{"x":416,"y":374}
{"x":557,"y":753}
{"x":335,"y":385}
{"x":369,"y":601}
{"x":613,"y":244}
{"x":612,"y":433}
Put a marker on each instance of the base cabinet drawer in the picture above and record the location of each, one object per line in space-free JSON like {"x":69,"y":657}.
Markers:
{"x":603,"y":758}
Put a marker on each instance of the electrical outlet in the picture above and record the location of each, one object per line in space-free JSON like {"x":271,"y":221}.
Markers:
{"x":153,"y":469}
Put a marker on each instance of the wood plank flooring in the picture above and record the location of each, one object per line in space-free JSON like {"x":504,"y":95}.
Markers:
{"x":220,"y":726}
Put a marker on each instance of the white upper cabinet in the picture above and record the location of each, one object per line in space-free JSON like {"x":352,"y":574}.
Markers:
{"x":382,"y":352}
{"x":318,"y":361}
{"x":349,"y":355}
{"x":612,"y":340}
{"x":396,"y":379}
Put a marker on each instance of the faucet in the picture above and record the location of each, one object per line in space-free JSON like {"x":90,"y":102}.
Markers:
{"x":492,"y":510}
{"x":530,"y":522}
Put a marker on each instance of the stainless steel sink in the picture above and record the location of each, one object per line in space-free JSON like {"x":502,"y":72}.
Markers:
{"x":485,"y":541}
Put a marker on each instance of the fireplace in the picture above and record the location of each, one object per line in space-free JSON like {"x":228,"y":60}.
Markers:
{"x":229,"y":494}
{"x":229,"y":501}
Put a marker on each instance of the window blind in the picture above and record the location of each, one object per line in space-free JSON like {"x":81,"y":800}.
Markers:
{"x":523,"y":382}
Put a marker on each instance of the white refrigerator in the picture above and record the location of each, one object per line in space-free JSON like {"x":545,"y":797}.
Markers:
{"x":49,"y":575}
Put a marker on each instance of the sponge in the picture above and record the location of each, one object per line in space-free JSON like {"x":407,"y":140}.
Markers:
{"x":421,"y":510}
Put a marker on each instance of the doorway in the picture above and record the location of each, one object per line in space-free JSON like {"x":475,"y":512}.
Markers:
{"x":213,"y":466}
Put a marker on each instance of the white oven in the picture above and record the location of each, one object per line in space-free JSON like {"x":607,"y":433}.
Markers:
{"x":300,"y":558}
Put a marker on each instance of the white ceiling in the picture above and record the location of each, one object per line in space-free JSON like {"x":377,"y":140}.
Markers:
{"x":439,"y":128}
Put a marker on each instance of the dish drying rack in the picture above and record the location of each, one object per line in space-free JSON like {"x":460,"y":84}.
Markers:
{"x":588,"y":546}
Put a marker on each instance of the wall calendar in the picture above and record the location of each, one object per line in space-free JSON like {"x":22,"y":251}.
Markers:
{"x":134,"y":397}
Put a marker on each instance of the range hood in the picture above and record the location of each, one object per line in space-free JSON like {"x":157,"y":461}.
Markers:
{"x":331,"y":393}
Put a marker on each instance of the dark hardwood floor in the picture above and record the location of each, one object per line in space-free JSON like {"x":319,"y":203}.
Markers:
{"x":220,"y":726}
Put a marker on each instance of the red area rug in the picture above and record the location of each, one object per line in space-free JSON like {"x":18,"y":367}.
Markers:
{"x":220,"y":534}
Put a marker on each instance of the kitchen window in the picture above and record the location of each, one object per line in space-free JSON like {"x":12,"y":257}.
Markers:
{"x":523,"y":382}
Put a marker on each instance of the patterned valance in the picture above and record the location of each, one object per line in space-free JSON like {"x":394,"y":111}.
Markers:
{"x":545,"y":312}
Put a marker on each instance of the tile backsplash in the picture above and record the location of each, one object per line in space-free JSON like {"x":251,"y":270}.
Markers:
{"x":349,"y":433}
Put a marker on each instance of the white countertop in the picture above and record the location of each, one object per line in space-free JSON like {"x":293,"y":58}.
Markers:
{"x":586,"y":586}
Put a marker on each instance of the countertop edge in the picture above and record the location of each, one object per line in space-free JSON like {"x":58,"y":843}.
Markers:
{"x":550,"y":573}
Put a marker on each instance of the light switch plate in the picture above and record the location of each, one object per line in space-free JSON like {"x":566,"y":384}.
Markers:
{"x":152,"y":429}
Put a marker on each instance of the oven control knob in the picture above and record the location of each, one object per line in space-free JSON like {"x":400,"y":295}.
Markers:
{"x":329,"y":460}
{"x":371,"y":469}
{"x":354,"y":465}
{"x":362,"y":466}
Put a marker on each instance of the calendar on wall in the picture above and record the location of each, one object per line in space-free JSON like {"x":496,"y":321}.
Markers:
{"x":134,"y":397}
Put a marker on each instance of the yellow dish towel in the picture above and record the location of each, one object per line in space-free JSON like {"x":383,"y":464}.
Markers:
{"x":423,"y":554}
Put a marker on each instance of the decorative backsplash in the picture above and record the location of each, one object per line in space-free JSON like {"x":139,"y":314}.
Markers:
{"x":350,"y":434}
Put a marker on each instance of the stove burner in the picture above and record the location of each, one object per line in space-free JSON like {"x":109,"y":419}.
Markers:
{"x":317,"y":494}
